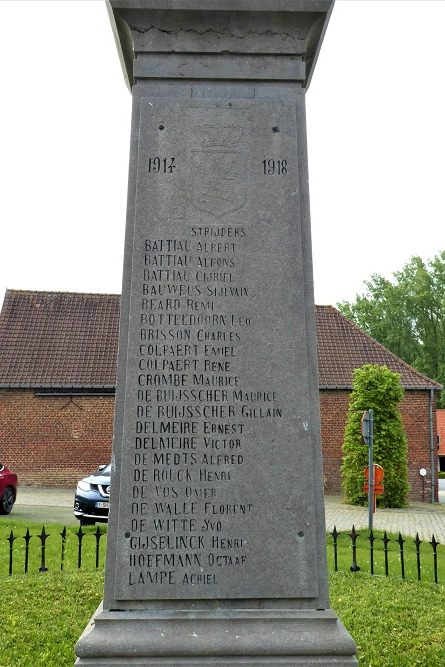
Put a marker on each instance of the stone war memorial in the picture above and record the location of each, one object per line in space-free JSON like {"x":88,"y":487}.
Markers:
{"x":216,"y":548}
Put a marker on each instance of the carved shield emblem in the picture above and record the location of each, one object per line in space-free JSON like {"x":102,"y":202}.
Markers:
{"x":217,"y":158}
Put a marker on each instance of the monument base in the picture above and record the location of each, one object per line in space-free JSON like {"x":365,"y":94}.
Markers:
{"x":218,"y":638}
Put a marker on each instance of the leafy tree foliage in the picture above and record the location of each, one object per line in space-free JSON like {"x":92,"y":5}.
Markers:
{"x":407,"y":315}
{"x":377,"y":388}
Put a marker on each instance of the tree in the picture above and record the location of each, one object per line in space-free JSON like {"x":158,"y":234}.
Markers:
{"x":407,"y":316}
{"x":377,"y":388}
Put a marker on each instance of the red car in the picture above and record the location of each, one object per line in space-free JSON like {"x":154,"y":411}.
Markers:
{"x":8,"y":489}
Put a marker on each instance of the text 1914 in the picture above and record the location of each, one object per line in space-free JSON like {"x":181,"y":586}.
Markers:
{"x":158,"y":165}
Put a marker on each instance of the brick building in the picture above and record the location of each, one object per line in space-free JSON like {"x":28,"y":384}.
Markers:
{"x":441,"y":439}
{"x":342,"y":347}
{"x":58,"y":356}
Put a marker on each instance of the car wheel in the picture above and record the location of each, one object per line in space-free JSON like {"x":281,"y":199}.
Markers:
{"x":7,"y":500}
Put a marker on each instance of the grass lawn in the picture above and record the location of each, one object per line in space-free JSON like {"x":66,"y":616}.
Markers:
{"x":43,"y":615}
{"x":395,"y":623}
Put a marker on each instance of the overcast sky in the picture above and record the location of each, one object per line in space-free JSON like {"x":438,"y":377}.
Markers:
{"x":375,"y":111}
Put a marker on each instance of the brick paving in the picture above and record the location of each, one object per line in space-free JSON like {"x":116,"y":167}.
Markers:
{"x":422,"y":518}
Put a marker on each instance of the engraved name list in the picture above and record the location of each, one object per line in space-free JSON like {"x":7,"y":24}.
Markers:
{"x":204,"y":406}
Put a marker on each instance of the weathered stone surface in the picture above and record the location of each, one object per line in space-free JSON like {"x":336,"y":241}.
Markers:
{"x":218,"y":638}
{"x":218,"y":451}
{"x":216,"y":542}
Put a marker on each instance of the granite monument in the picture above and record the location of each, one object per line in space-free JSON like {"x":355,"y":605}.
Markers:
{"x":216,"y":542}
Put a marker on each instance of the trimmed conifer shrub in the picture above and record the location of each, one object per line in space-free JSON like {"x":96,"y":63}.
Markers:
{"x":377,"y":388}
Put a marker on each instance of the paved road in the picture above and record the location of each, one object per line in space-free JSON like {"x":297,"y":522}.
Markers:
{"x":42,"y":505}
{"x":55,"y":505}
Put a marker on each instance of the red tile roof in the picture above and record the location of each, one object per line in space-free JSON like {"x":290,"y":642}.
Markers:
{"x":342,"y":347}
{"x":62,"y":339}
{"x":58,"y":339}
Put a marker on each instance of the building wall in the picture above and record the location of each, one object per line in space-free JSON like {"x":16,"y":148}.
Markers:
{"x":54,"y":441}
{"x":441,"y":438}
{"x":415,"y":417}
{"x":334,"y":411}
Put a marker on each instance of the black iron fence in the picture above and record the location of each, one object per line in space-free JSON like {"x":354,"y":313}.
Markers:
{"x":30,"y":553}
{"x":388,"y":556}
{"x":367,"y":552}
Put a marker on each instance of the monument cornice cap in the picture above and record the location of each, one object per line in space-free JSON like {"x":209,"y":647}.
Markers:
{"x":227,"y":5}
{"x":132,"y":18}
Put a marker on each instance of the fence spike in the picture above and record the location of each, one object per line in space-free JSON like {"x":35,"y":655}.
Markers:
{"x":62,"y":556}
{"x":434,"y":543}
{"x":98,"y":535}
{"x":401,"y":541}
{"x":43,"y":537}
{"x":11,"y":540}
{"x":27,"y":537}
{"x":418,"y":542}
{"x":371,"y":539}
{"x":335,"y":535}
{"x":353,"y":535}
{"x":385,"y":540}
{"x":80,"y":535}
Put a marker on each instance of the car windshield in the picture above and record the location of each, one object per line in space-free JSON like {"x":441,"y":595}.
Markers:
{"x":107,"y":470}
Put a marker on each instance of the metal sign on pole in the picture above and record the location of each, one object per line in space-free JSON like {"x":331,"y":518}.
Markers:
{"x":378,"y":489}
{"x":367,"y":427}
